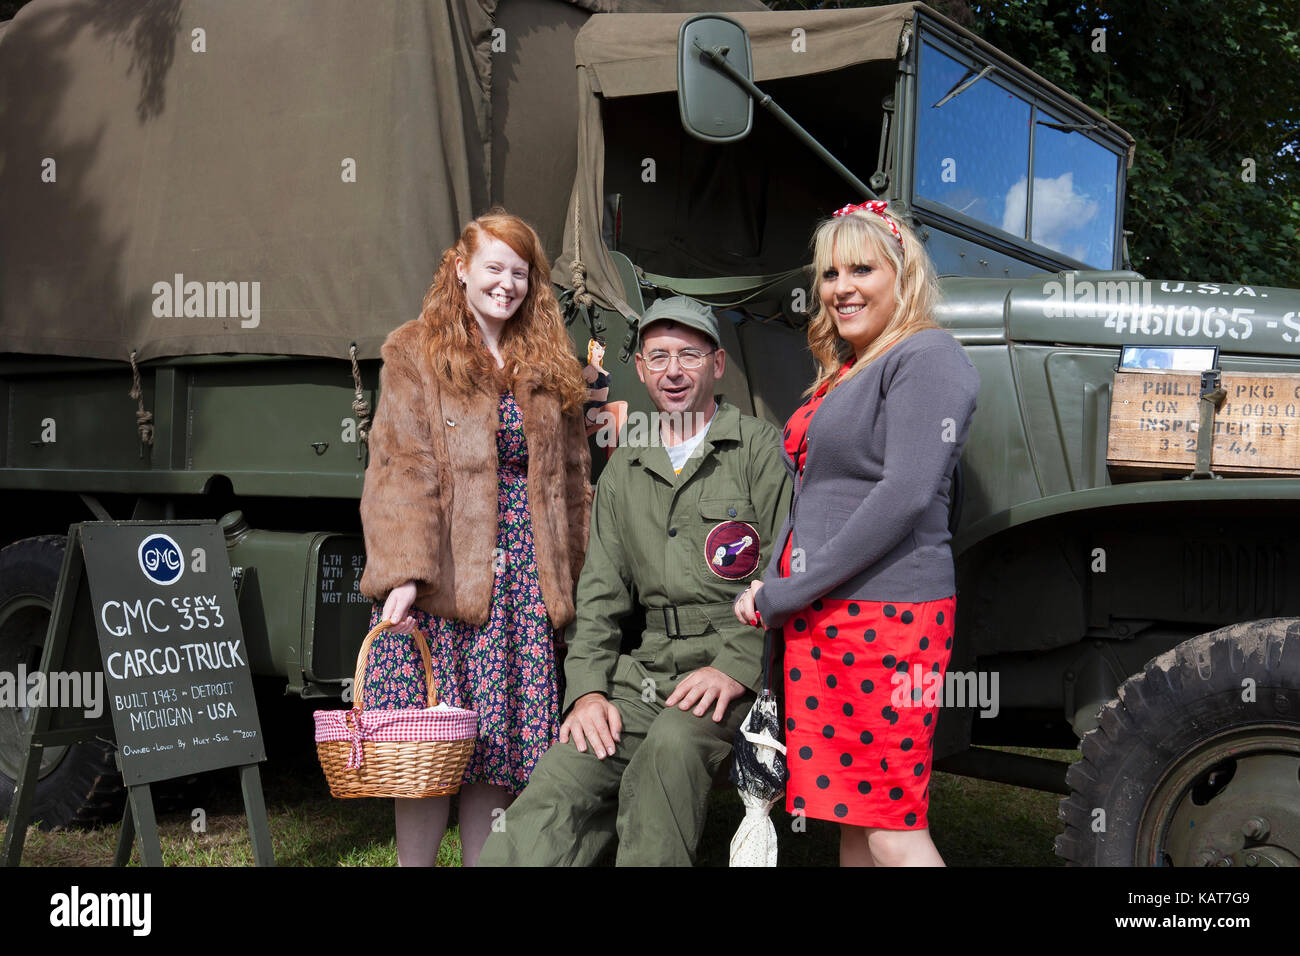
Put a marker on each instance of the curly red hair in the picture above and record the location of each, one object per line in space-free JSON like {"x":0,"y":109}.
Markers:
{"x":533,"y":340}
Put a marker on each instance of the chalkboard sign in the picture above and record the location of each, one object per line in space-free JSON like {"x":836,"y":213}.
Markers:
{"x":175,"y":662}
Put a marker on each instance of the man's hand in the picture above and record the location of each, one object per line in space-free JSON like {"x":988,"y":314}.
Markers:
{"x":700,"y":688}
{"x":746,"y":613}
{"x":593,"y":718}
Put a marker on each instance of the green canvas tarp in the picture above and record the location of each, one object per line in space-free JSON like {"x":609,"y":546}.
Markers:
{"x":241,"y":176}
{"x":700,"y":222}
{"x":745,"y":208}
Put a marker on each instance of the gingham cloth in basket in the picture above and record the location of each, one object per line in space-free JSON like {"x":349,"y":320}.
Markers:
{"x":444,"y":723}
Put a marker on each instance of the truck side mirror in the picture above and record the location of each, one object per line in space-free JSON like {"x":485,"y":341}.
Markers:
{"x":713,"y":107}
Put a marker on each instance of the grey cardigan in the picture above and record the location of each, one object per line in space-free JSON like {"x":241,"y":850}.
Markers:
{"x":870,"y":513}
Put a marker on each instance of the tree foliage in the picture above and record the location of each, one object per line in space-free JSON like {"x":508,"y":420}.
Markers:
{"x":1203,"y":86}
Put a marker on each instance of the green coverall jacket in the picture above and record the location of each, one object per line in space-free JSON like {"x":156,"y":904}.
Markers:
{"x":684,"y":546}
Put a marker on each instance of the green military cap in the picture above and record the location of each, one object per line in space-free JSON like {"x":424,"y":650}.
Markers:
{"x":683,"y":310}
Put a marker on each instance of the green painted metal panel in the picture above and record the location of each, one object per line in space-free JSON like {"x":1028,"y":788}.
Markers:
{"x":299,"y":600}
{"x":73,"y":420}
{"x":1190,"y":493}
{"x":271,"y":426}
{"x":245,"y":419}
{"x":254,"y":483}
{"x":272,"y":571}
{"x":997,"y":467}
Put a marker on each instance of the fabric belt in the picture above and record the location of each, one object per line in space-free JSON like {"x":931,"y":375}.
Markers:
{"x":676,"y":621}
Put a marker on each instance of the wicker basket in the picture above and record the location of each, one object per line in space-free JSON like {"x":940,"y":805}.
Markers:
{"x":416,"y":752}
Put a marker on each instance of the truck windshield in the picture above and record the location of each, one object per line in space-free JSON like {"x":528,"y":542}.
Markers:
{"x":1074,"y":193}
{"x":977,"y":141}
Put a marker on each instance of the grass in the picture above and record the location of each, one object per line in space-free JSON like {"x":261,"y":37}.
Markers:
{"x":973,"y":822}
{"x":980,"y":823}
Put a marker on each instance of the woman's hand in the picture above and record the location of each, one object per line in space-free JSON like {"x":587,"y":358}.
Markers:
{"x":398,"y":607}
{"x":746,"y":613}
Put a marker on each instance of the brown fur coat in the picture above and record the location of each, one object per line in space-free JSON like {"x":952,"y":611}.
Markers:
{"x":429,"y":506}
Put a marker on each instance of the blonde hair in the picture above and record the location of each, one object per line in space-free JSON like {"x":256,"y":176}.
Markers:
{"x":534,"y":338}
{"x":858,"y":237}
{"x":592,"y":345}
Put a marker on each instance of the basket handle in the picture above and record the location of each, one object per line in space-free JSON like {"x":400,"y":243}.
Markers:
{"x":359,"y":678}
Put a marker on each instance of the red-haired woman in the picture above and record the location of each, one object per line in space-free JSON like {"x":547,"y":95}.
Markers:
{"x":475,"y":511}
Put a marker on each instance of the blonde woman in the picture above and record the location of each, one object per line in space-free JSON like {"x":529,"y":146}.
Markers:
{"x":864,"y":588}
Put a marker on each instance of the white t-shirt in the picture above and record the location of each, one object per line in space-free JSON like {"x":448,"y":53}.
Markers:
{"x":678,"y":454}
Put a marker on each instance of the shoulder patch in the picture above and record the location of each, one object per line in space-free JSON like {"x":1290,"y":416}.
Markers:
{"x":731,"y":550}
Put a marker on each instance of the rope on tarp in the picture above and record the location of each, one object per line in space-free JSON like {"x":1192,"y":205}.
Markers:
{"x":586,"y":301}
{"x":143,"y":419}
{"x":360,"y":407}
{"x":578,"y":271}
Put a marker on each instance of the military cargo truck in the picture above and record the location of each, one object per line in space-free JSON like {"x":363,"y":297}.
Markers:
{"x":224,"y":208}
{"x":1151,"y":620}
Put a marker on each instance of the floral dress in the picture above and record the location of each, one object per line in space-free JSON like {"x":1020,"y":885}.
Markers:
{"x":505,"y":668}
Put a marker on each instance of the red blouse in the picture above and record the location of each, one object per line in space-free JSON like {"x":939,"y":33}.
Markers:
{"x":795,"y":437}
{"x":796,"y":429}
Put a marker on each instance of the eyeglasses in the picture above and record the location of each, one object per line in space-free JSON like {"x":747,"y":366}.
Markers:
{"x":686,"y":358}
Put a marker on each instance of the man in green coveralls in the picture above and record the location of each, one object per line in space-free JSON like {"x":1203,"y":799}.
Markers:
{"x":681,"y":523}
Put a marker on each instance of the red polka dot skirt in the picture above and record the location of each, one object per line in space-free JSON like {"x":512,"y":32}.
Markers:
{"x":862,"y":692}
{"x":863,"y":683}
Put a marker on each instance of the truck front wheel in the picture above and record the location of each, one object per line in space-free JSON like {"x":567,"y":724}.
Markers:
{"x":78,"y":783}
{"x":1197,"y":761}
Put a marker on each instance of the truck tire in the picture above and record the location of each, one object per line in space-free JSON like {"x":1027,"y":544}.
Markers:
{"x":1197,"y":761}
{"x":78,"y":783}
